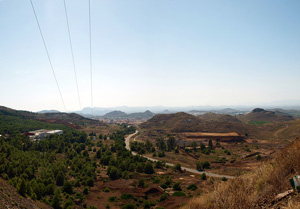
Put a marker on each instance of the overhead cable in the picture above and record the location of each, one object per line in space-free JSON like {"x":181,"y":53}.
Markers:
{"x":36,"y":18}
{"x":71,"y":46}
{"x":91,"y":64}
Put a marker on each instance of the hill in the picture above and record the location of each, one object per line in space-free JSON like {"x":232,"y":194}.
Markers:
{"x":183,"y":122}
{"x":115,"y":114}
{"x":219,"y":117}
{"x":259,"y":114}
{"x":25,"y":121}
{"x":70,"y":119}
{"x":122,"y":115}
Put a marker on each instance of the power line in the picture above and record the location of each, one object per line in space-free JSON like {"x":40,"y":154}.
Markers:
{"x":48,"y":55}
{"x":91,"y":66}
{"x":71,"y":46}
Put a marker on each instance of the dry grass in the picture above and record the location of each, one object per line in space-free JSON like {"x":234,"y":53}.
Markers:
{"x":204,"y":134}
{"x":256,"y":189}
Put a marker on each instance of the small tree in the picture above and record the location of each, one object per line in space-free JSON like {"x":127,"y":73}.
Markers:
{"x":149,"y":168}
{"x":56,"y":202}
{"x":142,"y":183}
{"x":210,"y":144}
{"x":68,"y":187}
{"x":60,"y":179}
{"x":98,"y":154}
{"x":178,"y":167}
{"x":203,"y":176}
{"x":177,"y":186}
{"x":22,"y":188}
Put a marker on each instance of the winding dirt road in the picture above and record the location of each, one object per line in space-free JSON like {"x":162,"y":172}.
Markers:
{"x":194,"y":171}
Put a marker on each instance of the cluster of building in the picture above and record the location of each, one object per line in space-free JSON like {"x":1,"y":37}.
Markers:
{"x":42,"y":133}
{"x":121,"y":121}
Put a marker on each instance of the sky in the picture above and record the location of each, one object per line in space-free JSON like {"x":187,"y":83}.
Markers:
{"x":150,"y":52}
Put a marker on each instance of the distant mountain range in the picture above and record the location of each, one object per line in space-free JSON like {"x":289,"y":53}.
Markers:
{"x":194,"y":110}
{"x":49,"y":111}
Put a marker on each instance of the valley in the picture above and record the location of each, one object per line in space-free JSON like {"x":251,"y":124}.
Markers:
{"x":164,"y":162}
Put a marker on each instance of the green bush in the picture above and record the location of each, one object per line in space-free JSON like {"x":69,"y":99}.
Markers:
{"x":127,"y":196}
{"x":128,"y":206}
{"x":177,"y":186}
{"x":112,"y":199}
{"x":163,"y":197}
{"x":178,"y":194}
{"x":106,"y":190}
{"x":192,"y":187}
{"x":203,"y":176}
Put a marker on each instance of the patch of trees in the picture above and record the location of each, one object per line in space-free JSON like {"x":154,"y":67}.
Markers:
{"x":169,"y":146}
{"x":42,"y":169}
{"x":11,"y":124}
{"x":142,"y":148}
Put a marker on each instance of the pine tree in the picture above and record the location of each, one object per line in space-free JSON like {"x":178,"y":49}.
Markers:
{"x":22,"y":188}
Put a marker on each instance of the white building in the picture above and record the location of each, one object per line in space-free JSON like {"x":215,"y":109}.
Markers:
{"x":42,"y":133}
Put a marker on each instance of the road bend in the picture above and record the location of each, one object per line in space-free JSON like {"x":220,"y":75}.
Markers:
{"x":194,"y":171}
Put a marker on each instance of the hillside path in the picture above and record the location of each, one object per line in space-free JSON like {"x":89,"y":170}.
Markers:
{"x":280,"y":130}
{"x":194,"y":171}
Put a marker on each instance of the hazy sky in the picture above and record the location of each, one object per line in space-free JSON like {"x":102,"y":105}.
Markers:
{"x":150,"y":52}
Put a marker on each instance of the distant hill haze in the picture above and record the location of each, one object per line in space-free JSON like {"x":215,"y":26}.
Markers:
{"x":49,"y":111}
{"x":122,"y":115}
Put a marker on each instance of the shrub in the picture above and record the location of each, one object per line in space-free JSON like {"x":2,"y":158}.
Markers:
{"x":203,"y":176}
{"x":178,"y":194}
{"x":128,"y":206}
{"x":163,"y":197}
{"x":149,"y":168}
{"x":258,"y":157}
{"x":177,"y":167}
{"x":112,"y":199}
{"x":142,"y":183}
{"x":127,"y":196}
{"x":86,"y":190}
{"x":90,"y":182}
{"x":68,"y":188}
{"x":106,"y":190}
{"x":177,"y":186}
{"x":192,"y":187}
